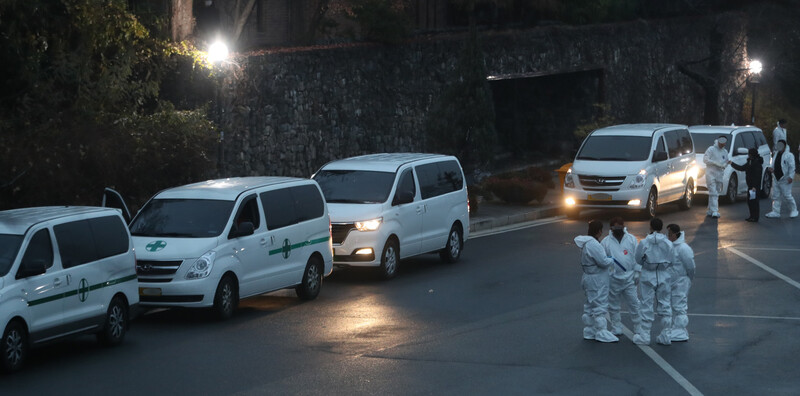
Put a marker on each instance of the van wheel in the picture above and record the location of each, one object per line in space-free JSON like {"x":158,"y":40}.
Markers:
{"x":14,"y":346}
{"x":733,"y":186}
{"x":766,"y":185}
{"x":652,"y":204}
{"x":226,"y":299}
{"x":390,"y":258}
{"x":452,"y":249}
{"x":312,"y":280}
{"x":688,"y":195}
{"x":116,"y":323}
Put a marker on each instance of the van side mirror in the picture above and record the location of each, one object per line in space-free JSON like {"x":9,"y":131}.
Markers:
{"x":244,"y":229}
{"x":32,"y":268}
{"x":660,"y":156}
{"x":403,"y":197}
{"x":741,"y":150}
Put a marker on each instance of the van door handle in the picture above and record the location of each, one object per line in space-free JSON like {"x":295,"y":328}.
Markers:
{"x":419,"y":209}
{"x":56,"y":282}
{"x":69,"y":279}
{"x":263,"y":241}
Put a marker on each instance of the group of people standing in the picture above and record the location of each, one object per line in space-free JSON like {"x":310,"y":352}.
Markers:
{"x":661,"y":265}
{"x":782,"y":167}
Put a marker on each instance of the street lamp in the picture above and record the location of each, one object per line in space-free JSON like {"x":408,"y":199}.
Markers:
{"x":217,"y":52}
{"x":755,"y":70}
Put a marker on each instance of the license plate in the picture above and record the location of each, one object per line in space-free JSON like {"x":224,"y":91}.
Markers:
{"x":599,"y":197}
{"x":149,"y":291}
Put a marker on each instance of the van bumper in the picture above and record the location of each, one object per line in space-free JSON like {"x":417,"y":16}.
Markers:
{"x":186,"y":293}
{"x":622,"y":199}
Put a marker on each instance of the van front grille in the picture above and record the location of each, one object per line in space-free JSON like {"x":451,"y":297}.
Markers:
{"x":601,"y":181}
{"x":339,"y":232}
{"x":156,"y":271}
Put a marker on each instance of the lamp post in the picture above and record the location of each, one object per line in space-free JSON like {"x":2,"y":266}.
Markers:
{"x":755,"y":70}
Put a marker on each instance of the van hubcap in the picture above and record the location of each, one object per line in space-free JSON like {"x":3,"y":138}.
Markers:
{"x":455,"y":244}
{"x":13,"y":347}
{"x":116,"y":321}
{"x":312,"y":277}
{"x":227,"y":297}
{"x":391,"y":260}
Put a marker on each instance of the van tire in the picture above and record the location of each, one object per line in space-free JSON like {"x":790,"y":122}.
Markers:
{"x":15,"y":346}
{"x":651,"y":206}
{"x":733,"y":187}
{"x":390,"y":259}
{"x":455,"y":243}
{"x":226,"y":299}
{"x":766,"y":185}
{"x":115,"y":324}
{"x":688,"y":196}
{"x":312,"y":279}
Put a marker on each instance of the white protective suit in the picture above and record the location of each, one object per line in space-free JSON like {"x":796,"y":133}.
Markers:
{"x":781,"y":188}
{"x":716,"y":159}
{"x":681,"y":275}
{"x":654,"y":254}
{"x":595,"y":280}
{"x":777,"y":135}
{"x":623,"y":283}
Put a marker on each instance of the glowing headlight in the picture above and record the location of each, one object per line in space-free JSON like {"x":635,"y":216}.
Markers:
{"x":639,"y":179}
{"x":569,"y":180}
{"x":202,"y":267}
{"x":570,"y":201}
{"x":369,"y":225}
{"x":634,"y":202}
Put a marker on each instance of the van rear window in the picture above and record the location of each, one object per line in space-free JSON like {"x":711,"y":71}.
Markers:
{"x":616,"y":148}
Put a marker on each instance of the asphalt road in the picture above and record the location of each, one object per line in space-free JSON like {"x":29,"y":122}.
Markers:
{"x":504,"y":320}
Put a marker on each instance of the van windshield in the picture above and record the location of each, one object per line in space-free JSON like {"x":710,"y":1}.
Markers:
{"x":616,"y":148}
{"x":182,"y":218}
{"x":702,"y":141}
{"x":355,"y":186}
{"x":9,"y":246}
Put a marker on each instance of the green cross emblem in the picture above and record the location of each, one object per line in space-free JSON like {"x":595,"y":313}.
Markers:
{"x":83,"y":290}
{"x":155,"y":246}
{"x":286,"y":249}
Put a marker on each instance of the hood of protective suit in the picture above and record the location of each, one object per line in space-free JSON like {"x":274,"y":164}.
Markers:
{"x":582,"y":240}
{"x":680,"y":239}
{"x":658,"y":248}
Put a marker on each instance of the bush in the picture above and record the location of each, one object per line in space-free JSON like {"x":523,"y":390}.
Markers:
{"x":533,"y":174}
{"x":516,"y":190}
{"x":472,"y":196}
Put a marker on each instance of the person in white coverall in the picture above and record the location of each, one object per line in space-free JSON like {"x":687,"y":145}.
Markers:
{"x":779,"y":133}
{"x":621,"y":245}
{"x":681,"y":276}
{"x":783,"y":169}
{"x":716,"y":159}
{"x":594,"y":281}
{"x":654,"y":253}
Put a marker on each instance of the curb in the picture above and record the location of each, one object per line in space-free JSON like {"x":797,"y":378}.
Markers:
{"x":486,"y":224}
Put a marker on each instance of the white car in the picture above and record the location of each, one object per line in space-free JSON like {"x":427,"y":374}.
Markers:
{"x":634,"y":166}
{"x":213,"y":243}
{"x":63,"y":271}
{"x":387,"y":207}
{"x":740,"y":140}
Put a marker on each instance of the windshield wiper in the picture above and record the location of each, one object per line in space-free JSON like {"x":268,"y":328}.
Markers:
{"x":589,"y":158}
{"x":345,"y":201}
{"x":163,"y":234}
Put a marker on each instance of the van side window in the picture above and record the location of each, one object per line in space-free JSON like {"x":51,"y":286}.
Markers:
{"x":760,"y":139}
{"x":406,"y":183}
{"x":39,"y":249}
{"x":673,"y":143}
{"x":660,"y":146}
{"x":687,"y":146}
{"x":743,"y":140}
{"x":279,"y":208}
{"x":450,"y":176}
{"x":749,"y":140}
{"x":75,"y":243}
{"x":307,"y":202}
{"x":439,"y":178}
{"x":110,"y":236}
{"x":248,"y":212}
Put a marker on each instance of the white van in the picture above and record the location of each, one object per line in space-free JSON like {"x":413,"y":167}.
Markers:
{"x":63,"y":271}
{"x":213,"y":243}
{"x":740,"y":140}
{"x":634,"y":166}
{"x":387,"y":207}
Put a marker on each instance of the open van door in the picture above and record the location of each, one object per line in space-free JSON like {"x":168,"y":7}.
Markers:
{"x":113,"y":199}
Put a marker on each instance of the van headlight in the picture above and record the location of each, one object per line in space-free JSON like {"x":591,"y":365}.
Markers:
{"x":369,"y":225}
{"x":202,"y":267}
{"x":569,"y":180}
{"x":639,"y":179}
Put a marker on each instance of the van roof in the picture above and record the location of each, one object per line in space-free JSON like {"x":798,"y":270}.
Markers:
{"x":635,"y":129}
{"x":223,"y":189}
{"x":721,"y":129}
{"x":383,"y":162}
{"x":17,"y":221}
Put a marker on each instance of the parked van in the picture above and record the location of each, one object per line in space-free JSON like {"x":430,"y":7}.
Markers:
{"x":635,"y":166}
{"x":388,"y":207}
{"x":63,"y":271}
{"x":740,"y":140}
{"x":213,"y":243}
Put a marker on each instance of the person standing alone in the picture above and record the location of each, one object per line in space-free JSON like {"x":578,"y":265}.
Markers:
{"x":783,"y":170}
{"x":779,"y":133}
{"x":681,"y":276}
{"x":716,"y":159}
{"x":594,"y":281}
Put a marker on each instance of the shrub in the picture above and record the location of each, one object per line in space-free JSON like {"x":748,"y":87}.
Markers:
{"x":516,"y":190}
{"x":472,"y":195}
{"x":533,"y":174}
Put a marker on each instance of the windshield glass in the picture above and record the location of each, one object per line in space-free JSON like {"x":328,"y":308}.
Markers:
{"x":350,"y":186}
{"x":616,"y":148}
{"x":184,"y":218}
{"x":702,"y":141}
{"x":9,"y":246}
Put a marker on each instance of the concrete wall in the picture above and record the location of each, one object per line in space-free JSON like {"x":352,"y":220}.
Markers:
{"x":287,"y":112}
